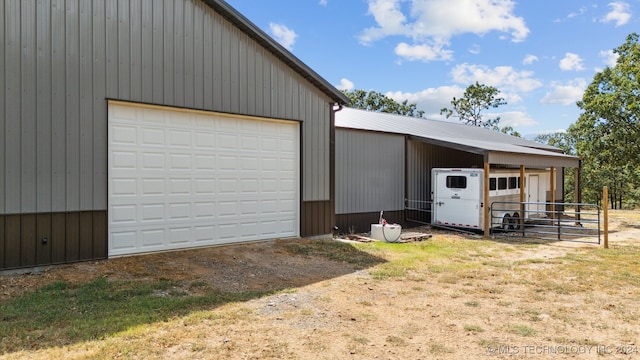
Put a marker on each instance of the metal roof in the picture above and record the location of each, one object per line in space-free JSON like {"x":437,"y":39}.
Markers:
{"x":254,"y":32}
{"x":497,"y":147}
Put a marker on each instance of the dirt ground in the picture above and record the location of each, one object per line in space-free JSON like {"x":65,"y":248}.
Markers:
{"x":330,"y":310}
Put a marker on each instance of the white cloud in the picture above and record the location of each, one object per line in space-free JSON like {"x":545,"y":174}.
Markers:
{"x":571,"y":15}
{"x":435,"y":22}
{"x":554,"y":131}
{"x":510,"y":97}
{"x":609,"y":57}
{"x":581,"y":11}
{"x":390,"y":20}
{"x":571,"y":62}
{"x":504,"y":78}
{"x":620,"y":13}
{"x":422,"y":52}
{"x":282,"y":34}
{"x":513,"y":118}
{"x":475,"y":49}
{"x":529,"y":59}
{"x":446,"y":18}
{"x":323,"y":2}
{"x":565,"y":93}
{"x":430,"y":100}
{"x":345,"y":84}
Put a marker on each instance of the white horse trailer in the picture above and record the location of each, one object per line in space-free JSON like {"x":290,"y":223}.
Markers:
{"x":458,"y":200}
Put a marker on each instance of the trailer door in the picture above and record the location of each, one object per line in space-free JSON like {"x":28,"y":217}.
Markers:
{"x":457,"y":198}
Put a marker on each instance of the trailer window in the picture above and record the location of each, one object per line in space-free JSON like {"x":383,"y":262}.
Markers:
{"x":457,"y":182}
{"x":502,"y":183}
{"x":514,"y":182}
{"x":492,"y":184}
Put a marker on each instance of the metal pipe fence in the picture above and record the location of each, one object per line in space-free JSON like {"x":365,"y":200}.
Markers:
{"x":418,"y":211}
{"x":548,"y":221}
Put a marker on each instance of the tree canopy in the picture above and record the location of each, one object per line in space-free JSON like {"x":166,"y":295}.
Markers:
{"x":375,"y":101}
{"x":608,"y":128}
{"x":477,"y":98}
{"x":567,"y":142}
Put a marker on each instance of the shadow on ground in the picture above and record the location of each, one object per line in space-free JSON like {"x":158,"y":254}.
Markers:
{"x":67,"y":304}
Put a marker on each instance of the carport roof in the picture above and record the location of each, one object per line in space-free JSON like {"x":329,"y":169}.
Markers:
{"x":497,"y":148}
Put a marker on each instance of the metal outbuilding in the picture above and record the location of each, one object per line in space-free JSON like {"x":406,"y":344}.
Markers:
{"x":384,"y":160}
{"x":138,"y":126}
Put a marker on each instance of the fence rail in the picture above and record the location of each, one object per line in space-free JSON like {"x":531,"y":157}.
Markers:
{"x":548,"y":221}
{"x":418,"y":211}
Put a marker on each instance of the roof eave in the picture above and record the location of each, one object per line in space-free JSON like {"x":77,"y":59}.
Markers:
{"x":533,"y":160}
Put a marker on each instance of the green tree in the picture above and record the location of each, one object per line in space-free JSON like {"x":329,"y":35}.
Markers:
{"x":507,"y":130}
{"x":567,"y":142}
{"x":562,"y":140}
{"x":608,"y":128}
{"x":375,"y":101}
{"x":477,"y":98}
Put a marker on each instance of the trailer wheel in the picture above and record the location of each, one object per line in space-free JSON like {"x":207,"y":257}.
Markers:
{"x":515,"y":221}
{"x":506,"y":222}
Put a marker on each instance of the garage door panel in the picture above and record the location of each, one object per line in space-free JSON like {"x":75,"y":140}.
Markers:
{"x":123,"y":187}
{"x":124,"y":214}
{"x":228,"y":142}
{"x":204,"y":210}
{"x":152,"y":213}
{"x":204,"y":233}
{"x":180,"y":180}
{"x":124,"y":160}
{"x":152,"y":186}
{"x":152,"y":239}
{"x":179,"y":161}
{"x":122,"y":242}
{"x":179,"y":236}
{"x":124,"y":134}
{"x":205,"y":162}
{"x":152,"y":136}
{"x":179,"y":211}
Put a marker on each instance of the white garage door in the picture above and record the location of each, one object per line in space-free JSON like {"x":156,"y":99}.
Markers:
{"x":180,"y":179}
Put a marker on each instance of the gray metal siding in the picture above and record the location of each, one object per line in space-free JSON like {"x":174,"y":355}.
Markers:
{"x":369,"y":171}
{"x":62,"y":59}
{"x":422,"y":157}
{"x":3,"y":115}
{"x":12,"y":188}
{"x":315,"y":134}
{"x":27,"y":109}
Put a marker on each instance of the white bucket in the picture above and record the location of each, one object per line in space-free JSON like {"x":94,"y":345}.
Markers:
{"x":388,"y":232}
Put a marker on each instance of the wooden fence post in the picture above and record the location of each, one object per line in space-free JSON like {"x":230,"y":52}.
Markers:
{"x":522,"y":199}
{"x":605,"y":222}
{"x":485,"y":194}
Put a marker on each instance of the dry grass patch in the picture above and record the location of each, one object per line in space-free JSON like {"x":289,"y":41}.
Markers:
{"x":448,"y":297}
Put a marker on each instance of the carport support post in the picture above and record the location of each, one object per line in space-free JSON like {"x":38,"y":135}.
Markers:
{"x":552,"y":191}
{"x":521,"y":217}
{"x":576,"y":196}
{"x":487,"y":222}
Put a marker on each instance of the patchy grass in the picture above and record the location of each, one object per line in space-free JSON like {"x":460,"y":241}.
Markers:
{"x":61,"y":313}
{"x":433,"y":296}
{"x":332,"y":250}
{"x":473,"y":328}
{"x":522,"y":330}
{"x":416,"y":261}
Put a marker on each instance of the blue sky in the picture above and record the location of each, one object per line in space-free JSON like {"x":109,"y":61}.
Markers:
{"x":540,"y":54}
